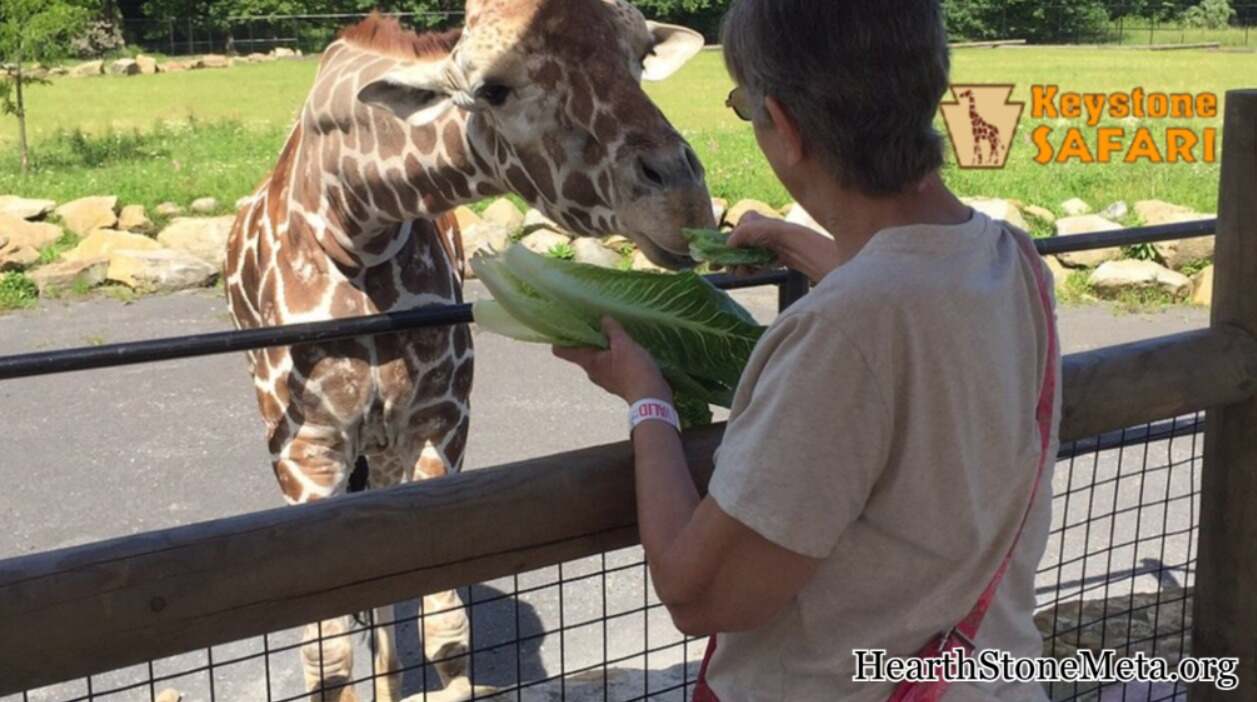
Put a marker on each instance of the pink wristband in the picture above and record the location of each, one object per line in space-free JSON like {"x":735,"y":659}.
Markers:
{"x":653,"y":410}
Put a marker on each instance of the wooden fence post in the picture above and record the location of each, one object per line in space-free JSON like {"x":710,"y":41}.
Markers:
{"x":1226,"y":575}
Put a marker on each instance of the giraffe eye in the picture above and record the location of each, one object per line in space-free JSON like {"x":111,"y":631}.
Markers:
{"x":495,"y":94}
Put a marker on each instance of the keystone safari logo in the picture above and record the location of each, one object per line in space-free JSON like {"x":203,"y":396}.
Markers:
{"x":982,"y":124}
{"x":1088,"y":128}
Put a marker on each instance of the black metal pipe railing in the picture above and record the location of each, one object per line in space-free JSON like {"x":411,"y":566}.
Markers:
{"x":136,"y":352}
{"x":791,"y":287}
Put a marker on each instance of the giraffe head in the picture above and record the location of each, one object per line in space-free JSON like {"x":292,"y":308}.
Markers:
{"x":549,"y":95}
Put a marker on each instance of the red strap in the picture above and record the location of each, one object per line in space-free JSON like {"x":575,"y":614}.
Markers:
{"x":703,"y":693}
{"x":966,"y":632}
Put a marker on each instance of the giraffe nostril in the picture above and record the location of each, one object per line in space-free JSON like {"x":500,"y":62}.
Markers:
{"x":651,"y":175}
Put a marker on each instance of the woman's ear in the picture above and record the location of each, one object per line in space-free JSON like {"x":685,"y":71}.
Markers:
{"x":785,"y":131}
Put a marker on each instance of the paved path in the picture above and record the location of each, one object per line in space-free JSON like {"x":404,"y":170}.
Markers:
{"x":93,"y":455}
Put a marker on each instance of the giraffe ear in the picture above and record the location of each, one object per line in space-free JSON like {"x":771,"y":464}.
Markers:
{"x":674,"y":47}
{"x":416,"y":94}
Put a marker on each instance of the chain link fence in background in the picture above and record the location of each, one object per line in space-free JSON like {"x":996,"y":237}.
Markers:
{"x":1061,"y":22}
{"x":247,"y":35}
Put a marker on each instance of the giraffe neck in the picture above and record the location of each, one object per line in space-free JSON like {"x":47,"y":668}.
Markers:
{"x":973,"y":108}
{"x":351,"y":176}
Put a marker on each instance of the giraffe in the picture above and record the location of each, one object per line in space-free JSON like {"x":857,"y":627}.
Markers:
{"x":982,"y":131}
{"x":541,"y":98}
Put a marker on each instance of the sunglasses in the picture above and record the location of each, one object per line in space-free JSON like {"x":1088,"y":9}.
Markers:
{"x":739,"y":101}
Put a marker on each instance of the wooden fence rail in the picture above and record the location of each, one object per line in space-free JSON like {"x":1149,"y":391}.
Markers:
{"x":69,"y":613}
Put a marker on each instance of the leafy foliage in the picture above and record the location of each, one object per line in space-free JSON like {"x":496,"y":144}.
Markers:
{"x":700,"y":337}
{"x":712,"y":246}
{"x":1210,"y":14}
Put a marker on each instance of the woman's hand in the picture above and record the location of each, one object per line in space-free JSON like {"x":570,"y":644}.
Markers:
{"x":625,"y":370}
{"x":797,"y":247}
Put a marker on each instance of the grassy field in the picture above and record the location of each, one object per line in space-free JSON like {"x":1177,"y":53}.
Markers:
{"x":176,"y":137}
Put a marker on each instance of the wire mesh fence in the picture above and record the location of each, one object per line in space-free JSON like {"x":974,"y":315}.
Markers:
{"x":309,"y":33}
{"x":1117,"y":575}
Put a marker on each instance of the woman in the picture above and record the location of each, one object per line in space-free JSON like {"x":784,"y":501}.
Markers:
{"x":890,"y":445}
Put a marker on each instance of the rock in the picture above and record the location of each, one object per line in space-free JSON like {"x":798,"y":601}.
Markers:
{"x":504,"y":213}
{"x":204,"y":205}
{"x":256,"y":58}
{"x":1180,"y":252}
{"x":534,"y":220}
{"x":798,"y":215}
{"x":133,"y":218}
{"x":58,"y":71}
{"x":86,"y":214}
{"x":1002,"y":210}
{"x":542,"y":240}
{"x":737,"y":212}
{"x":66,"y":275}
{"x":16,"y":258}
{"x":1153,"y":622}
{"x":170,"y":695}
{"x":173,"y":67}
{"x":104,"y":243}
{"x":18,"y":233}
{"x":1202,"y":293}
{"x":1060,"y":274}
{"x":282,"y":52}
{"x":618,"y":242}
{"x":24,"y":208}
{"x":204,"y":238}
{"x":243,"y":202}
{"x":1087,"y":224}
{"x":642,"y":263}
{"x":160,"y":271}
{"x":1075,"y":207}
{"x":1042,"y":215}
{"x":485,"y":236}
{"x":168,"y":209}
{"x":1115,"y":211}
{"x":212,"y":61}
{"x":719,"y":208}
{"x":91,"y":68}
{"x":147,"y":64}
{"x":1152,"y":213}
{"x":465,"y":217}
{"x":1115,"y":276}
{"x":124,"y":67}
{"x":592,"y":252}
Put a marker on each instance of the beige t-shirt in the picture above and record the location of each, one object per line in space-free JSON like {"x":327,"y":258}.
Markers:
{"x":886,"y":424}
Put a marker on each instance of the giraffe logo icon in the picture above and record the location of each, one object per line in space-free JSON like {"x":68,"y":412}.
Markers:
{"x":982,"y":123}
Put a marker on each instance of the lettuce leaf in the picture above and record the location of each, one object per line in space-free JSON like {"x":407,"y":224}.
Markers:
{"x":711,"y":246}
{"x":700,"y":337}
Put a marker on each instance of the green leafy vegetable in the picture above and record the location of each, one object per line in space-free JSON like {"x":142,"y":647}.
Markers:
{"x":711,"y":246}
{"x":700,"y":337}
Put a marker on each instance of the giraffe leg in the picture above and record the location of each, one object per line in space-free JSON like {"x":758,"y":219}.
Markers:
{"x":388,"y":681}
{"x":446,"y":630}
{"x":327,"y":657}
{"x":314,"y":465}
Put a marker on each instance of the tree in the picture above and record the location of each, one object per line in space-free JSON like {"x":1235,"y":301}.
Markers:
{"x":32,"y":30}
{"x":1211,"y":14}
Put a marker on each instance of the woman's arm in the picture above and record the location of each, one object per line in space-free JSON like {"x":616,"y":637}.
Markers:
{"x":712,"y":573}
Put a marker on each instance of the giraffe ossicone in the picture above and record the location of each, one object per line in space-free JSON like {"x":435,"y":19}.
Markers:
{"x":536,"y":97}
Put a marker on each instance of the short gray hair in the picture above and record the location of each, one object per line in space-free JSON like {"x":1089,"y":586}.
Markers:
{"x":863,"y":80}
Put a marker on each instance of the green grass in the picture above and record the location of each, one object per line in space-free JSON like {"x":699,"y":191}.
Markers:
{"x":176,"y":137}
{"x":53,"y":251}
{"x":16,"y":291}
